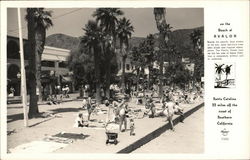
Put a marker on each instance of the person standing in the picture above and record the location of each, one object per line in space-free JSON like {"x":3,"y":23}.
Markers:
{"x":171,"y":108}
{"x":90,"y":107}
{"x":67,"y":91}
{"x":122,"y":108}
{"x":169,"y":113}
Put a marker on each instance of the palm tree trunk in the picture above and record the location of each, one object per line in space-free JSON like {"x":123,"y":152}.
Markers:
{"x":97,"y":75}
{"x":161,"y":77}
{"x":108,"y":71}
{"x":162,"y":46}
{"x":149,"y":76}
{"x":138,"y":78}
{"x":123,"y":74}
{"x":37,"y":40}
{"x":38,"y":78}
{"x":33,"y":107}
{"x":40,"y":42}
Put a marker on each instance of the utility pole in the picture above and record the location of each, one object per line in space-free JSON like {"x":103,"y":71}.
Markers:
{"x":23,"y":76}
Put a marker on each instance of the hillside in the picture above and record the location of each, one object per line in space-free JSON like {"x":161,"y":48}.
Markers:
{"x":180,"y":38}
{"x":62,"y":41}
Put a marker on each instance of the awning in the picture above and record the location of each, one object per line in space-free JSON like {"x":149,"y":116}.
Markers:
{"x":53,"y":57}
{"x":66,"y":79}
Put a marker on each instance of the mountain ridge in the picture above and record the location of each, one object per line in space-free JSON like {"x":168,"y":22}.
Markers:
{"x":180,"y":37}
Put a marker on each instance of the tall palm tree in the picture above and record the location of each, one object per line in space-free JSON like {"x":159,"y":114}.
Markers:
{"x":173,"y":54}
{"x":124,"y":32}
{"x":39,"y":21}
{"x":138,"y":61}
{"x":147,"y":50}
{"x":195,"y":37}
{"x":108,"y":18}
{"x":228,"y":71}
{"x":219,"y":70}
{"x":92,"y":39}
{"x":164,"y":30}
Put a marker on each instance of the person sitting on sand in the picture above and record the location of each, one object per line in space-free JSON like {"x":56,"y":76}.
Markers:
{"x":151,"y":107}
{"x":79,"y":122}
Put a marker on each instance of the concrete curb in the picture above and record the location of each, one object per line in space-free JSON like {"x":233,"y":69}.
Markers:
{"x":157,"y":132}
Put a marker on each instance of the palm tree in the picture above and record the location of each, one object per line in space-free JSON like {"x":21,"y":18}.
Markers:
{"x":39,"y":21}
{"x":92,"y":40}
{"x":164,"y":30}
{"x":146,"y":49}
{"x":219,"y":70}
{"x":139,"y":62}
{"x":124,"y":32}
{"x":81,"y":63}
{"x":195,"y":37}
{"x":150,"y":56}
{"x":108,"y":22}
{"x":227,"y":70}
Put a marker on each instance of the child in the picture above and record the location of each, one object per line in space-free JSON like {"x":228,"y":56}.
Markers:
{"x":106,"y":102}
{"x":132,"y":127}
{"x":122,"y":115}
{"x":139,"y":98}
{"x":150,"y":105}
{"x":110,"y":116}
{"x":84,"y":103}
{"x":79,"y":122}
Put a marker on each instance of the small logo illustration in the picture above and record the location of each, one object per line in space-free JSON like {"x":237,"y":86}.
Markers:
{"x":224,"y":132}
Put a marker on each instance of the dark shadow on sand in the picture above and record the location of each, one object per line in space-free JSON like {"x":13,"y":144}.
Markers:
{"x":62,"y":110}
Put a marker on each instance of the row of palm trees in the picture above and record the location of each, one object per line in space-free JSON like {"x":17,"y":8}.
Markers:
{"x":100,"y":40}
{"x":164,"y":32}
{"x":100,"y":37}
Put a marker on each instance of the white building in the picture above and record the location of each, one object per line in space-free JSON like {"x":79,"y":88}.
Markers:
{"x":53,"y":59}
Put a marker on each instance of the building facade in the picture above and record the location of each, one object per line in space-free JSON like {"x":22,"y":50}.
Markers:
{"x":54,"y":66}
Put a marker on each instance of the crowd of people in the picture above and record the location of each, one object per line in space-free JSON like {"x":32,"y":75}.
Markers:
{"x":59,"y":94}
{"x":119,"y":109}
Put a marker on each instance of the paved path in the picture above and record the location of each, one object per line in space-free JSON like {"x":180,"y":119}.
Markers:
{"x":188,"y":137}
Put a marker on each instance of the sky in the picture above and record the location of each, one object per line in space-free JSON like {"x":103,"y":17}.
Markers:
{"x":70,"y":21}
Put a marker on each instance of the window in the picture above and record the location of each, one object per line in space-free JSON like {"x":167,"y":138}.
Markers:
{"x":63,"y":64}
{"x":127,"y":67}
{"x":13,"y":50}
{"x":48,"y":63}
